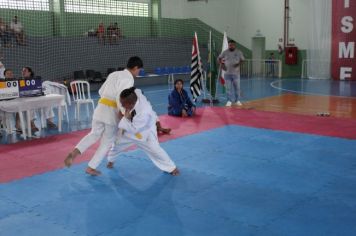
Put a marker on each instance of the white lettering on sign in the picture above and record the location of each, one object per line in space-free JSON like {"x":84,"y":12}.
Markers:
{"x":346,"y":51}
{"x":347,"y":25}
{"x":347,"y":3}
{"x":345,"y":72}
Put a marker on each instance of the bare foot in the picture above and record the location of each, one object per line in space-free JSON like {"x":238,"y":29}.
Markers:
{"x":92,"y":172}
{"x":110,"y":165}
{"x":69,"y":159}
{"x":175,"y":172}
{"x":164,"y":130}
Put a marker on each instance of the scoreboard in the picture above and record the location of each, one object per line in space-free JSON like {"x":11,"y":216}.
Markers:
{"x":30,"y":87}
{"x":9,"y":89}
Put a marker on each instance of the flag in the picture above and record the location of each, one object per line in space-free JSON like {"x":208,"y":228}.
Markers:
{"x":196,"y":73}
{"x":212,"y":70}
{"x":225,"y":46}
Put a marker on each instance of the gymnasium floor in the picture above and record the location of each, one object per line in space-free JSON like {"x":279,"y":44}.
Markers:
{"x":271,"y":167}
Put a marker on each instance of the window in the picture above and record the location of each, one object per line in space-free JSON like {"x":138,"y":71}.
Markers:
{"x":107,"y":7}
{"x":39,"y":5}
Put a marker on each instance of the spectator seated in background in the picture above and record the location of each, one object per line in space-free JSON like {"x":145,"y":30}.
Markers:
{"x":110,"y":32}
{"x":18,"y":31}
{"x":100,"y":33}
{"x":179,"y":101}
{"x":116,"y":33}
{"x":5,"y":34}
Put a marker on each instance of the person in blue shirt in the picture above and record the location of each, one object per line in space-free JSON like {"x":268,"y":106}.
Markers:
{"x":179,"y":101}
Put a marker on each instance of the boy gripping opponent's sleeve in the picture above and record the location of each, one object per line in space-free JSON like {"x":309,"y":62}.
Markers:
{"x":138,"y":127}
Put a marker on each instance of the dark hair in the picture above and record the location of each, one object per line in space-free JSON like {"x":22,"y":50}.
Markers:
{"x":6,"y":71}
{"x":30,"y":70}
{"x":232,"y":41}
{"x":129,"y":95}
{"x":134,"y":61}
{"x":178,"y":80}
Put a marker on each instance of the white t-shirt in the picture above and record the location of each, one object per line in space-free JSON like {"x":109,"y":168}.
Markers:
{"x":17,"y":27}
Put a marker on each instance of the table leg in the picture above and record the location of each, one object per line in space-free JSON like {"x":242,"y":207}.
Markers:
{"x":60,"y":115}
{"x":28,"y":113}
{"x":8,"y":122}
{"x":43,"y":119}
{"x":23,"y":127}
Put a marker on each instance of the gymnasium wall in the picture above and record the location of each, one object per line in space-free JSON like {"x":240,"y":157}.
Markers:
{"x":242,"y":18}
{"x":179,"y":19}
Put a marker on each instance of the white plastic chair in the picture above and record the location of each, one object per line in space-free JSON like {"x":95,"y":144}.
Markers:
{"x":57,"y":88}
{"x":81,"y":95}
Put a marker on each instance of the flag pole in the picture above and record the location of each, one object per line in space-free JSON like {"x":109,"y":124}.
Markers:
{"x":212,"y":63}
{"x":208,"y":74}
{"x":220,"y":79}
{"x":215,"y":99}
{"x":211,"y":67}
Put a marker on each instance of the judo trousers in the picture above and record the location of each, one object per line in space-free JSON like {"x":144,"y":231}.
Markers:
{"x":151,"y":147}
{"x":107,"y":135}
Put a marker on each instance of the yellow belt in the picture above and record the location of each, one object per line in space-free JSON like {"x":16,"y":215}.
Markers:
{"x":108,"y":102}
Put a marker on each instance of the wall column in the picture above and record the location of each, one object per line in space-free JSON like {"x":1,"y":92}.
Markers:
{"x":156,"y":16}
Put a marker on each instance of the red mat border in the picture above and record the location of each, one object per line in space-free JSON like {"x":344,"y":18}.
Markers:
{"x":38,"y":156}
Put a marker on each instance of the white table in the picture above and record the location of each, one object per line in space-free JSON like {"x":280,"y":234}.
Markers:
{"x":26,"y":104}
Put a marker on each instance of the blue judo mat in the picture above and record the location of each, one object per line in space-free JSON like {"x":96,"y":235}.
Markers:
{"x":234,"y":181}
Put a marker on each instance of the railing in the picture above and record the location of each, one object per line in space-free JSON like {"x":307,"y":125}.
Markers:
{"x":261,"y":68}
{"x":304,"y":73}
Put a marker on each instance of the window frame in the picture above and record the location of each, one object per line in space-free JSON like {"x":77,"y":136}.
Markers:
{"x":108,"y":7}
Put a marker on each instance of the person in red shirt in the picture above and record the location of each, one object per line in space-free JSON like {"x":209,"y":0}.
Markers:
{"x":100,"y":33}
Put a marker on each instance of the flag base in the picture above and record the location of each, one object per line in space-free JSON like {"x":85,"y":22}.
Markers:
{"x":206,"y":100}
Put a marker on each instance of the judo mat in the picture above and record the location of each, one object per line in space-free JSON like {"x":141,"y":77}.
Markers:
{"x":243,"y":172}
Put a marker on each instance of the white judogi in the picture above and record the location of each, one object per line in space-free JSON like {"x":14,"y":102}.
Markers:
{"x":105,"y":117}
{"x":2,"y":70}
{"x":142,"y":131}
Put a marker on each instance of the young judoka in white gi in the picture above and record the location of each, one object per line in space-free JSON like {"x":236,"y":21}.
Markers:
{"x":106,"y":115}
{"x":138,"y":126}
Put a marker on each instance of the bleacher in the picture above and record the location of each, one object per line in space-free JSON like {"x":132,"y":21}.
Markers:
{"x":56,"y":58}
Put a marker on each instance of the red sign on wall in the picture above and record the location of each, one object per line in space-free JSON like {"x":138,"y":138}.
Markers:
{"x":343,"y":62}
